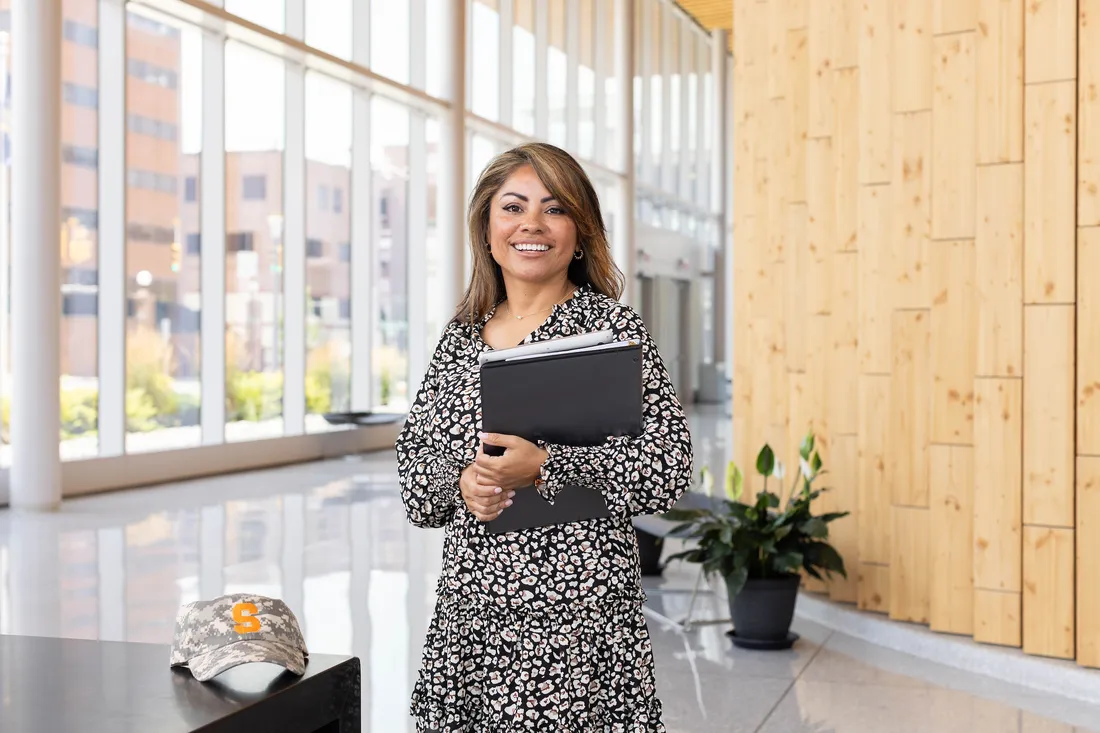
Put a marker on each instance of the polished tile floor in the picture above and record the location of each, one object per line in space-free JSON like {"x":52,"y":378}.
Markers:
{"x":331,"y":539}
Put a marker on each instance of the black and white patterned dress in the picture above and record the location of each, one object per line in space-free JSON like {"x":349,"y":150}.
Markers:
{"x":541,"y":629}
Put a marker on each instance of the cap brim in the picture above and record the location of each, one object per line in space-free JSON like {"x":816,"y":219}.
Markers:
{"x":207,"y":666}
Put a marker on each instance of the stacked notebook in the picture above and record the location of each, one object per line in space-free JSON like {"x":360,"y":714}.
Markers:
{"x":574,"y":390}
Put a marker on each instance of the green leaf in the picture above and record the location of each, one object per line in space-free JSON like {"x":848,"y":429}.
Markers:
{"x":706,"y":480}
{"x":833,"y":516}
{"x":734,"y":482}
{"x":815,"y":464}
{"x":736,"y":580}
{"x":765,"y":461}
{"x":815,"y":528}
{"x":807,"y":446}
{"x":788,"y":562}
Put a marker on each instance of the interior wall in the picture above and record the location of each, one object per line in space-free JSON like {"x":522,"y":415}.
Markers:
{"x":917,"y":235}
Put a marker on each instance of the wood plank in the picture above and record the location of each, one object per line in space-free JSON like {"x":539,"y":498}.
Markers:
{"x":954,"y":16}
{"x":1088,"y":343}
{"x":1048,"y":405}
{"x":846,"y":159}
{"x":954,"y":135}
{"x":798,"y":74}
{"x":1050,"y":188}
{"x":798,"y":417}
{"x":997,"y":618}
{"x":874,"y":491}
{"x":876,"y":291}
{"x":821,"y":224}
{"x":874,"y":588}
{"x":795,"y":307}
{"x":846,"y":37}
{"x":912,"y":39}
{"x":764,"y":382}
{"x":1032,"y":723}
{"x":798,"y":13}
{"x":844,"y":533}
{"x":911,"y":209}
{"x":1000,"y":81}
{"x":999,"y":253}
{"x":777,"y":194}
{"x":910,"y":567}
{"x":909,"y":410}
{"x":875,"y":106}
{"x":954,"y":341}
{"x":1049,"y":592}
{"x":998,"y":485}
{"x":1088,"y":561}
{"x":822,"y":99}
{"x":1088,"y":114}
{"x":818,"y":390}
{"x":842,"y":361}
{"x":951,"y":525}
{"x":777,"y":50}
{"x":1050,"y":41}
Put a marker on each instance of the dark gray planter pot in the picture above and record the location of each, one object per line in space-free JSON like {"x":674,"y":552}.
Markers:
{"x":762,"y":613}
{"x":649,"y":552}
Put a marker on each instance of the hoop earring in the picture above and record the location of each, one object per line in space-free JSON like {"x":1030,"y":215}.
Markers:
{"x":579,"y":254}
{"x":488,"y":247}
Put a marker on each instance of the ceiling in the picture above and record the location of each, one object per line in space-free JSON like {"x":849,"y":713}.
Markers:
{"x":711,"y":14}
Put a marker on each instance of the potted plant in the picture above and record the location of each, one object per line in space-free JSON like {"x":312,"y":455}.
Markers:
{"x":759,"y":548}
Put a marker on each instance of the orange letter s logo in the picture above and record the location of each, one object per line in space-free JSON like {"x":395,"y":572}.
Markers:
{"x":244,"y":615}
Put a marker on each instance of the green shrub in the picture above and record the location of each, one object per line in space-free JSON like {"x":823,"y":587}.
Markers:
{"x":253,"y":396}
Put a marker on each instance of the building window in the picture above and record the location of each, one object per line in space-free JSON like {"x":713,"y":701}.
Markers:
{"x":315,"y":248}
{"x":81,"y":276}
{"x":152,"y":74}
{"x":151,"y":26}
{"x":80,"y":304}
{"x":338,"y":200}
{"x":153,"y":128}
{"x":80,"y":156}
{"x":238,"y":242}
{"x":152,"y":181}
{"x":194,"y":243}
{"x":84,"y":35}
{"x":190,"y":189}
{"x":254,"y":188}
{"x":345,"y":251}
{"x":81,"y":96}
{"x":384,"y":211}
{"x":345,"y":308}
{"x":150,"y":233}
{"x":318,"y":306}
{"x":87,"y":218}
{"x":323,"y":198}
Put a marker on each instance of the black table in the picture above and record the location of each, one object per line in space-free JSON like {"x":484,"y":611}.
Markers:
{"x":68,"y":686}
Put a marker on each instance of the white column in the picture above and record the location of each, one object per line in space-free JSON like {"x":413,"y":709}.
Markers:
{"x":624,"y":53}
{"x":362,"y":217}
{"x":294,"y":235}
{"x":719,"y":146}
{"x":452,"y":184}
{"x":572,"y":73}
{"x":507,"y":82}
{"x":542,"y":65}
{"x":36,"y":279}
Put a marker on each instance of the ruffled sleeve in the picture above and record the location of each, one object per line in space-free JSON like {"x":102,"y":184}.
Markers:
{"x":637,"y":475}
{"x":428,"y":475}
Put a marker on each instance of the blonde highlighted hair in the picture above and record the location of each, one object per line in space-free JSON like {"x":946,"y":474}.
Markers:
{"x":569,"y":184}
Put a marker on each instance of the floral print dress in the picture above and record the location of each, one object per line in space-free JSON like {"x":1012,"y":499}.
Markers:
{"x":540,"y":629}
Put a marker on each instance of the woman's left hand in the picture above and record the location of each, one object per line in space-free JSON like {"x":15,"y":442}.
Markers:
{"x":517,"y":468}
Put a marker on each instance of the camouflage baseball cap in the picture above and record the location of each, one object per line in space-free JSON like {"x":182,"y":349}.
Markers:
{"x":213,"y":636}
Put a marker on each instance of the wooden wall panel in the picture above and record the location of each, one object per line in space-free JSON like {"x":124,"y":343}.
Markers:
{"x":842,"y":361}
{"x":798,"y":13}
{"x":909,"y":410}
{"x":876,"y":291}
{"x":910,"y":565}
{"x":999,"y":46}
{"x":818,"y":390}
{"x":846,"y":159}
{"x":1050,"y":41}
{"x":776,"y":192}
{"x":1088,"y":561}
{"x":1048,"y":412}
{"x":823,"y":25}
{"x":798,"y":75}
{"x":954,"y":341}
{"x":1088,"y":115}
{"x":874,"y":587}
{"x":874,"y":491}
{"x":1048,"y":592}
{"x":997,"y":618}
{"x":777,"y":50}
{"x":998,"y":484}
{"x":999,"y":253}
{"x":951,"y":524}
{"x":1050,"y":193}
{"x":796,"y":309}
{"x":954,"y":154}
{"x":1088,"y":342}
{"x":875,"y":107}
{"x":910,"y":208}
{"x":954,"y":16}
{"x":821,"y":227}
{"x":799,"y":420}
{"x":844,"y":533}
{"x":912,"y":40}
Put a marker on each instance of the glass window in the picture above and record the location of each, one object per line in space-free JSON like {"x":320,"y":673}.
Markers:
{"x":437,"y":310}
{"x":586,"y":82}
{"x":485,"y":59}
{"x":389,"y":164}
{"x":254,"y":187}
{"x":328,"y":277}
{"x":691,"y":153}
{"x":163,"y":280}
{"x":389,"y":39}
{"x":438,"y":41}
{"x":556,"y":70}
{"x":79,"y":239}
{"x":523,"y":67}
{"x":255,"y":139}
{"x":268,"y":13}
{"x":656,"y":81}
{"x":611,"y":97}
{"x":328,"y":26}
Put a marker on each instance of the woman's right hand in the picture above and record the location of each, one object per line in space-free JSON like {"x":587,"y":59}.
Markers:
{"x":484,"y":502}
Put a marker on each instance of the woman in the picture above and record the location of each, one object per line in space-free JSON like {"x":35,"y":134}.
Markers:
{"x":539,"y":629}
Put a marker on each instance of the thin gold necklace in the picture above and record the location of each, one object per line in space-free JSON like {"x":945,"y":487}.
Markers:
{"x":520,"y":318}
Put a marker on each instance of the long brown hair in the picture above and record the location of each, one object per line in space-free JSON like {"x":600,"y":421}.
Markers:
{"x":569,"y":184}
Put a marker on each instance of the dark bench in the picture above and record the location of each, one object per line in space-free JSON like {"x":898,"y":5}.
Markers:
{"x":363,"y":419}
